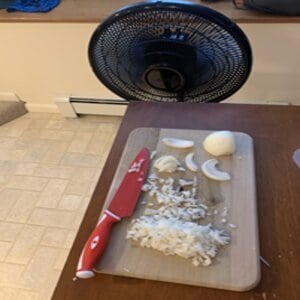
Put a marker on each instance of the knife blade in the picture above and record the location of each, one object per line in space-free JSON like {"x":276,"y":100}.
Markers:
{"x":122,"y":205}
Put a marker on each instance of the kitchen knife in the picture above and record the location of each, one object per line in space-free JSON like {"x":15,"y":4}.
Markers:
{"x":122,"y":205}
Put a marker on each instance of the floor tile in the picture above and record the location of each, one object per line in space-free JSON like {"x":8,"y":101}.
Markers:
{"x":8,"y":198}
{"x":37,"y":115}
{"x":53,"y":162}
{"x":84,"y":203}
{"x":55,"y":152}
{"x":61,"y":259}
{"x":48,"y":288}
{"x":107,"y":128}
{"x":80,"y":160}
{"x":9,"y":231}
{"x":8,"y":167}
{"x":80,"y":142}
{"x":26,"y":168}
{"x":57,"y":135}
{"x":12,"y":154}
{"x":4,"y":179}
{"x":31,"y":133}
{"x":98,"y":144}
{"x":78,"y":187}
{"x":84,"y":173}
{"x":52,"y":193}
{"x":70,"y":239}
{"x":77,"y":219}
{"x":10,"y":274}
{"x":55,"y":237}
{"x":36,"y":153}
{"x":54,"y":124}
{"x":27,"y":183}
{"x":27,"y":295}
{"x":7,"y":142}
{"x":38,"y":123}
{"x":36,"y":273}
{"x":8,"y":293}
{"x":16,"y":128}
{"x":23,"y":207}
{"x":54,"y":171}
{"x":52,"y":218}
{"x":70,"y":202}
{"x":4,"y":249}
{"x":26,"y":244}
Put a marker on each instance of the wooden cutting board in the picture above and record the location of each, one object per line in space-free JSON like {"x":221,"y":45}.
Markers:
{"x":237,"y":266}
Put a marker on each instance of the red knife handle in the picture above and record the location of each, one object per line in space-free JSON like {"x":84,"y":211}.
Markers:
{"x":95,"y":245}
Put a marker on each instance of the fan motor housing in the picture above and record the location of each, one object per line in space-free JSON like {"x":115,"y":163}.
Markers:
{"x":164,"y":78}
{"x":167,"y":64}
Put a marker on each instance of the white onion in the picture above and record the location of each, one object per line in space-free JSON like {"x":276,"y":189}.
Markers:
{"x":189,"y":240}
{"x":169,"y":222}
{"x":220,"y":143}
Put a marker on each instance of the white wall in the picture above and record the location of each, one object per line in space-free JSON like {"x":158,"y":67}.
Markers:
{"x":276,"y":70}
{"x":41,"y":60}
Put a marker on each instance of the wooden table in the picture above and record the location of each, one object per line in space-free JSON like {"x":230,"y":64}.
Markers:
{"x":95,"y":11}
{"x":276,"y":133}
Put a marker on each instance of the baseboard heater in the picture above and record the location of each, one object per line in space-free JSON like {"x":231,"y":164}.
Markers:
{"x":71,"y":106}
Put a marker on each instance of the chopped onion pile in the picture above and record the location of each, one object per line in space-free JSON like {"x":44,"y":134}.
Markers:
{"x":175,"y":201}
{"x":183,"y":213}
{"x":170,"y":222}
{"x":172,"y":236}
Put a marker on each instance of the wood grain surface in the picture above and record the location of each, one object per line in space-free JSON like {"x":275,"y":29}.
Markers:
{"x":275,"y":130}
{"x":94,"y":11}
{"x":237,"y":266}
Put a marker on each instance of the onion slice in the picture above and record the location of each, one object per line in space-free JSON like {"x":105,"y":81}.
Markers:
{"x":178,"y":143}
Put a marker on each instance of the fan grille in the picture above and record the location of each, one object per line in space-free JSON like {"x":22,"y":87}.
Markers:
{"x":222,"y":51}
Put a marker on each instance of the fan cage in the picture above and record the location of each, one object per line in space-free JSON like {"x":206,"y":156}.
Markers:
{"x":223,"y":51}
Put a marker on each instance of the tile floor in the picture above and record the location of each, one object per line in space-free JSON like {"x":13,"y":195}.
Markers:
{"x":49,"y":167}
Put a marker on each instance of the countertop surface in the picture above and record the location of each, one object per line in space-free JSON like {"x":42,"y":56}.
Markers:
{"x":93,"y":11}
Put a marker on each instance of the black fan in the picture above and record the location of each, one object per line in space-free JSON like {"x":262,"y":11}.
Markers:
{"x":170,"y":51}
